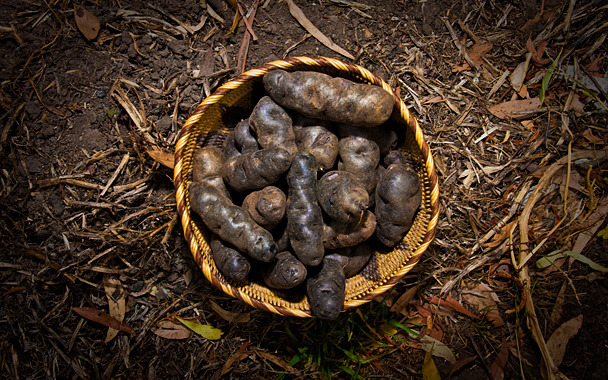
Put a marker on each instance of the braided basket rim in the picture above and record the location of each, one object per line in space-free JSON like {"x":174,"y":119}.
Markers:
{"x":181,"y":182}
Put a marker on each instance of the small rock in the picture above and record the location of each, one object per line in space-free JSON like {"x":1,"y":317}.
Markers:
{"x":146,"y":40}
{"x":32,"y":109}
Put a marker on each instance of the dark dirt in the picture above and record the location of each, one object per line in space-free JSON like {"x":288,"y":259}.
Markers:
{"x":58,"y":240}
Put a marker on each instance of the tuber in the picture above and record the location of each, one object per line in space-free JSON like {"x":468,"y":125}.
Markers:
{"x":228,"y":260}
{"x":342,"y":196}
{"x":304,"y":216}
{"x":340,"y":235}
{"x":354,"y":258}
{"x":257,"y":169}
{"x":321,"y":96}
{"x":319,"y":142}
{"x":230,"y":222}
{"x":361,"y":157}
{"x":273,"y":126}
{"x":243,"y":138}
{"x":266,"y":206}
{"x":326,"y":290}
{"x":285,"y":272}
{"x":398,"y":196}
{"x":207,"y":161}
{"x":385,"y":137}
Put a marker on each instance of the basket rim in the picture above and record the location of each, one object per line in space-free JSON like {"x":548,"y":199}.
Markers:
{"x":181,"y":182}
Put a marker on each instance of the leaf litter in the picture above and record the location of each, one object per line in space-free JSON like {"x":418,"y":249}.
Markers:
{"x":501,"y":192}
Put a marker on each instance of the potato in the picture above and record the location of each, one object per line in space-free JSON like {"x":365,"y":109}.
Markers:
{"x":229,"y":147}
{"x":320,"y":96}
{"x":243,"y":138}
{"x":285,"y":272}
{"x":355,"y":258}
{"x":340,"y":235}
{"x":342,"y":196}
{"x":266,"y":206}
{"x":272,"y":126}
{"x":385,"y":137}
{"x":361,"y":157}
{"x":326,"y":290}
{"x":304,"y":216}
{"x":256,"y":170}
{"x":319,"y":142}
{"x":207,"y":161}
{"x":398,"y":196}
{"x":230,"y":222}
{"x":228,"y":260}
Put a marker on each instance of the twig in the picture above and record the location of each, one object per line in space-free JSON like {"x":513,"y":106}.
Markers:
{"x":122,"y":164}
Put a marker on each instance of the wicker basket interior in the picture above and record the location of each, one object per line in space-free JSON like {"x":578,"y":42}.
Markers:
{"x":210,"y":123}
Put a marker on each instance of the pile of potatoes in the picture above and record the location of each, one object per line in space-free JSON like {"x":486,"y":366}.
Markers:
{"x":306,"y":169}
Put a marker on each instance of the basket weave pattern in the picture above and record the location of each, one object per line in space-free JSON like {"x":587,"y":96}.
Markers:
{"x":236,"y":99}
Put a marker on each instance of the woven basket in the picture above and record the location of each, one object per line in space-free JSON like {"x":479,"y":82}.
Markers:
{"x":233,"y":101}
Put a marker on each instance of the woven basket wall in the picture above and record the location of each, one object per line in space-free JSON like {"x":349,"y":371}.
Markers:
{"x":234,"y":101}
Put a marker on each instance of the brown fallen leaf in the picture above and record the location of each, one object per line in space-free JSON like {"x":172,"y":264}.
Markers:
{"x":87,"y":23}
{"x":429,"y":369}
{"x":476,"y":53}
{"x":403,"y":300}
{"x":236,"y":357}
{"x":501,"y":236}
{"x":461,"y":363}
{"x":171,"y":330}
{"x":537,"y":52}
{"x":230,"y":316}
{"x":509,"y":109}
{"x":163,"y":158}
{"x":103,"y":318}
{"x":556,"y":345}
{"x":451,"y":302}
{"x":594,"y":69}
{"x":116,"y":296}
{"x":497,"y":368}
{"x":276,"y":360}
{"x":310,"y":28}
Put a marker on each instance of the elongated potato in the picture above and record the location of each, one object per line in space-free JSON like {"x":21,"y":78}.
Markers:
{"x":326,"y":290}
{"x":342,"y":196}
{"x":356,"y":258}
{"x":256,"y":170}
{"x":361,"y":157}
{"x":320,"y":96}
{"x":207,"y":161}
{"x":398,"y":196}
{"x":385,"y":137}
{"x":228,"y":260}
{"x":266,"y":206}
{"x":229,"y":147}
{"x":285,"y":272}
{"x":230,"y":222}
{"x":243,"y":138}
{"x":340,"y":235}
{"x":319,"y":142}
{"x":304,"y":216}
{"x":272,"y":126}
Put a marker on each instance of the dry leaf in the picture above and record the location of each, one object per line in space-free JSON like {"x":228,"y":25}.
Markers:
{"x":438,"y":348}
{"x":556,"y":345}
{"x":310,"y":28}
{"x":476,"y":53}
{"x":276,"y":360}
{"x":230,"y":316}
{"x":497,"y":368}
{"x":594,"y":69}
{"x":451,"y":302}
{"x":501,"y":236}
{"x":461,"y":363}
{"x":518,"y":76}
{"x":404,"y":300}
{"x":236,"y":357}
{"x":429,"y":369}
{"x":528,"y":124}
{"x":578,"y":106}
{"x":170,"y":330}
{"x":87,"y":22}
{"x":537,"y":52}
{"x":163,"y":158}
{"x":116,"y":303}
{"x":509,"y":109}
{"x":476,"y":296}
{"x":103,"y":318}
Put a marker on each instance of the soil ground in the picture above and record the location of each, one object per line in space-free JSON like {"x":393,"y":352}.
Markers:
{"x":83,"y":203}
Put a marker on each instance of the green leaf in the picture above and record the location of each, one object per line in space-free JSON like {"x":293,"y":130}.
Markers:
{"x":549,"y":259}
{"x":205,"y":331}
{"x":603,"y":233}
{"x":397,"y":324}
{"x":547,"y":79}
